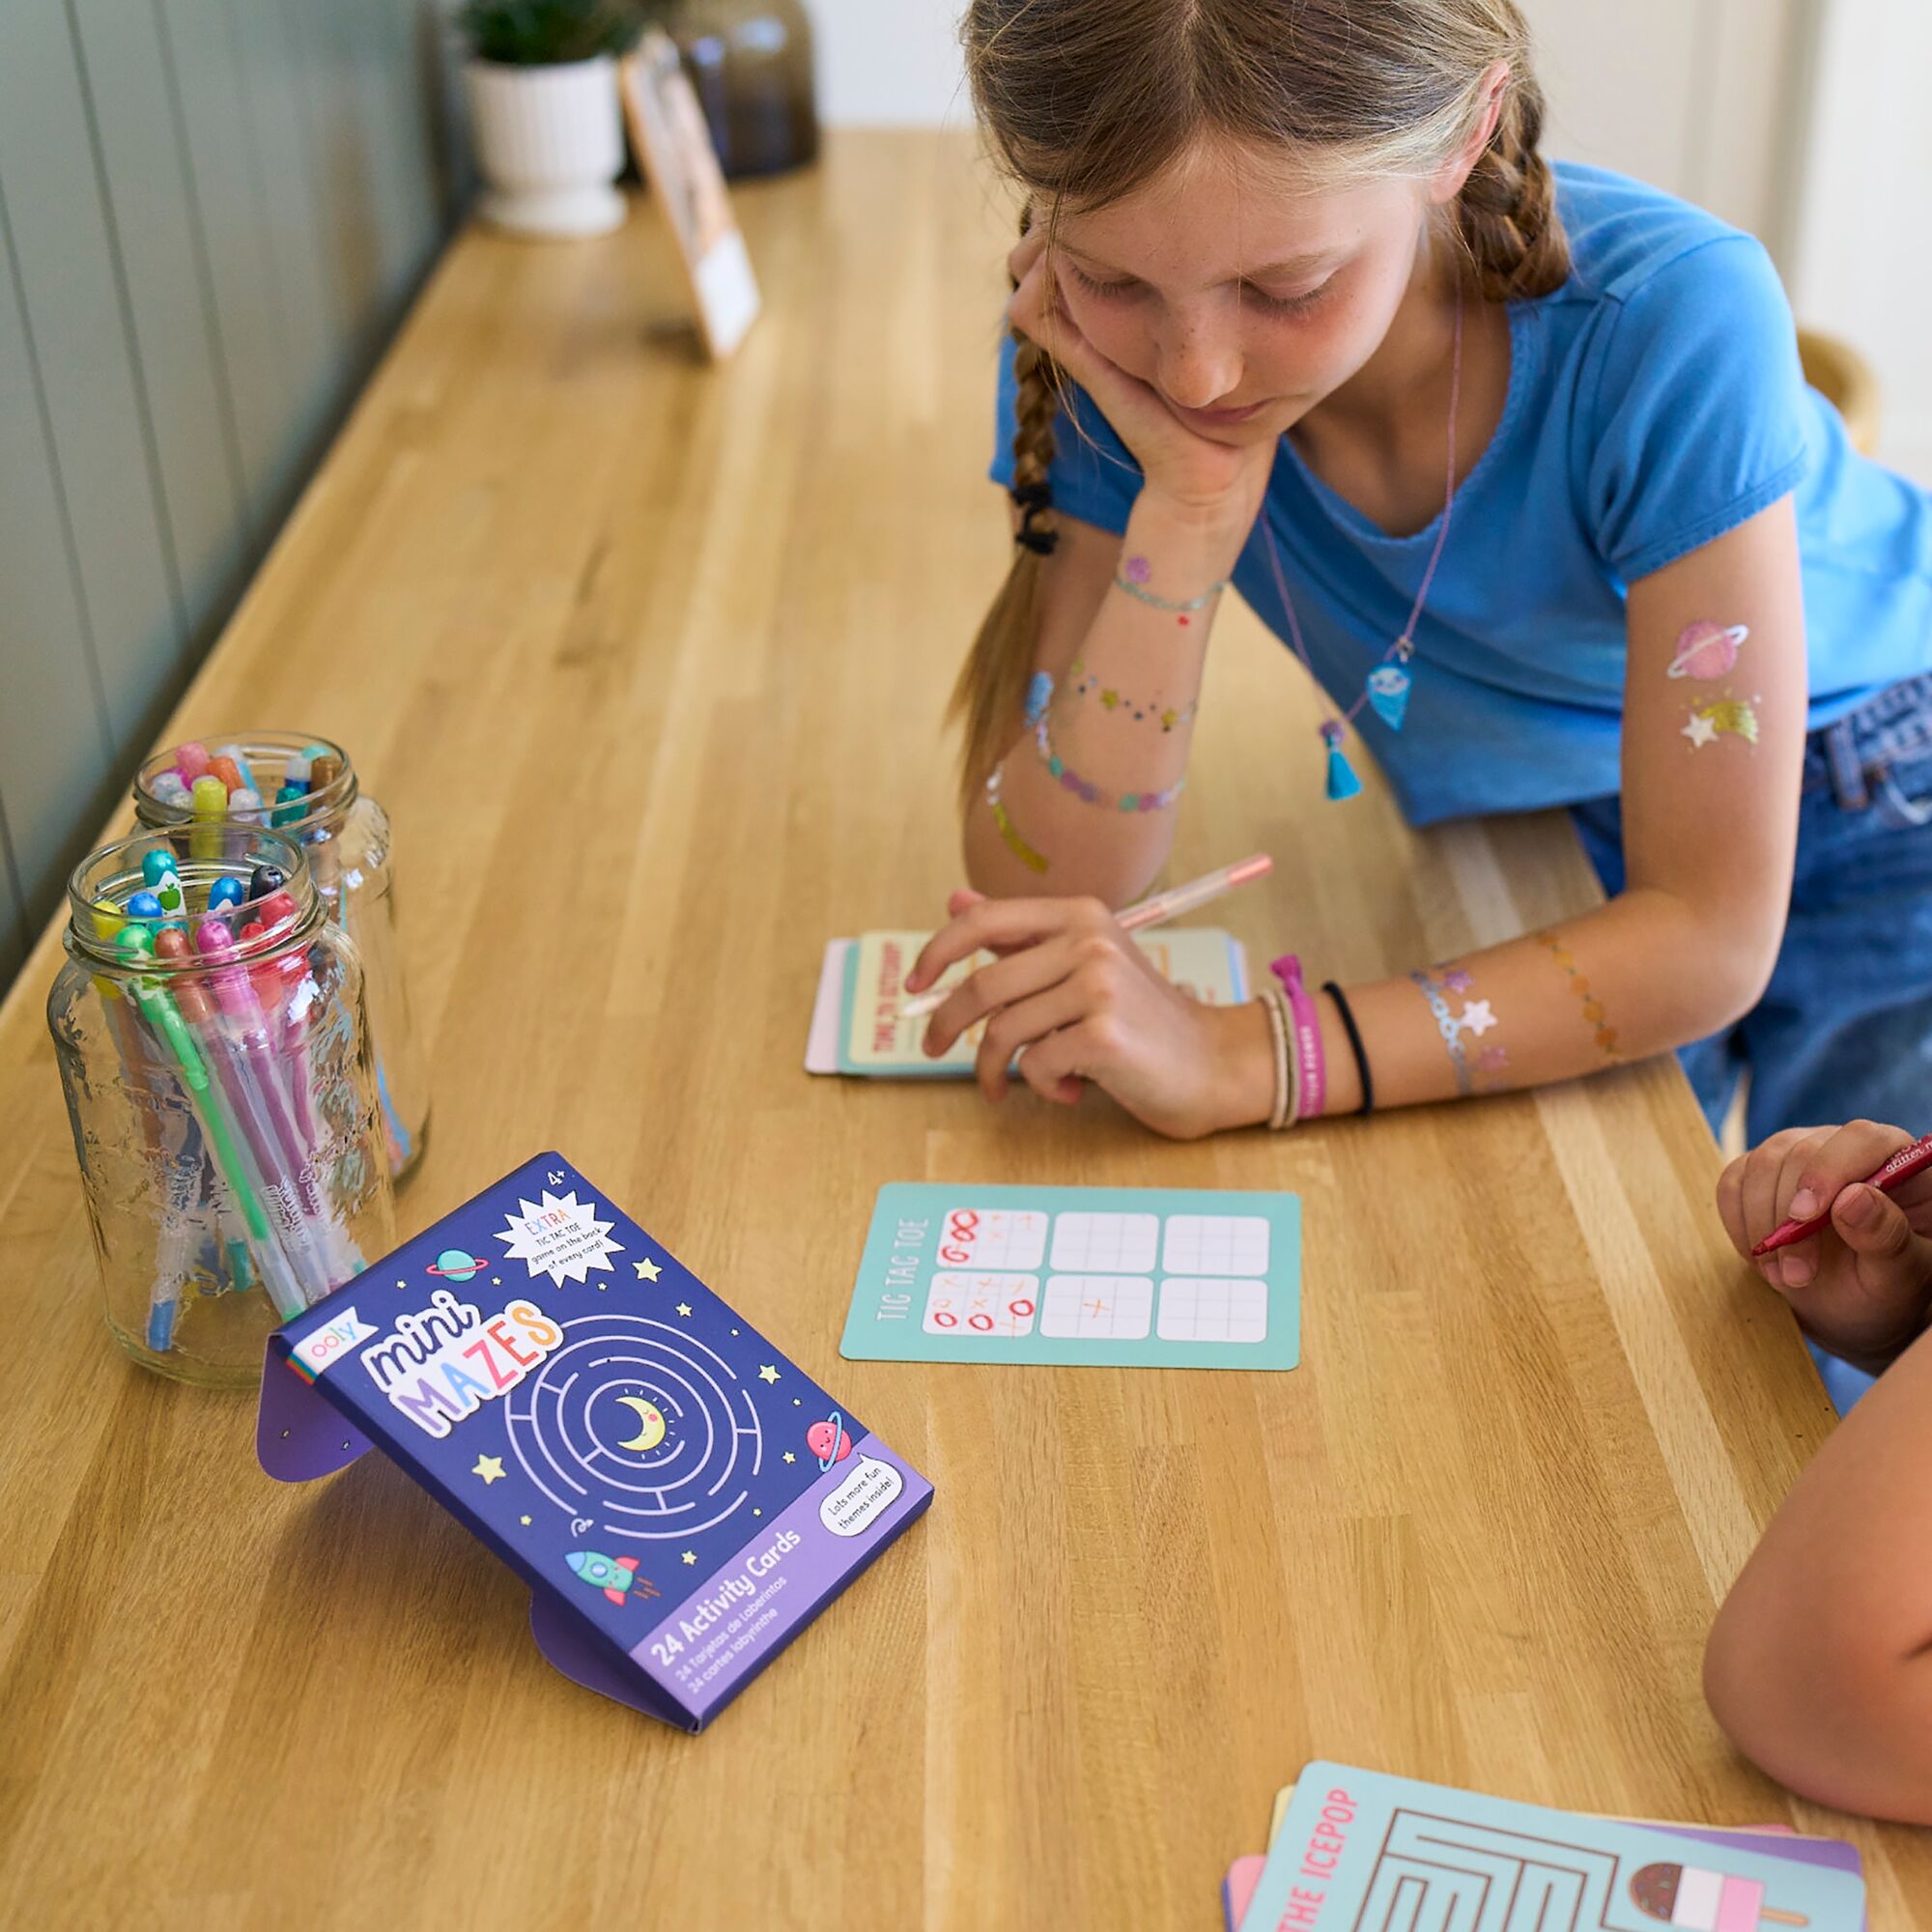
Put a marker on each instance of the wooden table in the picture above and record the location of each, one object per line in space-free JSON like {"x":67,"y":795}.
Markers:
{"x":648,"y":662}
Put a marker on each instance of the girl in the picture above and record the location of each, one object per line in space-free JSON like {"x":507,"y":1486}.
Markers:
{"x":1521,"y":463}
{"x":1820,"y":1664}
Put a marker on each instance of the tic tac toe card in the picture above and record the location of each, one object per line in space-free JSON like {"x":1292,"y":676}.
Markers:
{"x":680,"y":1496}
{"x":1099,"y":1277}
{"x":856,"y":1027}
{"x":1369,"y":1853}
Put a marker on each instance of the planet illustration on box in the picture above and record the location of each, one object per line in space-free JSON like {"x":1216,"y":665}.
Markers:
{"x":828,"y":1440}
{"x":456,"y":1264}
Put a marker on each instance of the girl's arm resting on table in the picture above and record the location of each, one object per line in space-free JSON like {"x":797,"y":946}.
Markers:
{"x":1714,"y":733}
{"x":1045,"y":838}
{"x":1820,"y":1664}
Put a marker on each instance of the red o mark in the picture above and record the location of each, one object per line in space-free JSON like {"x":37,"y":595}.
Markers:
{"x":942,"y":1320}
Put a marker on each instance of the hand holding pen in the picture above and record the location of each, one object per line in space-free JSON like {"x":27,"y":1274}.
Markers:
{"x":1839,"y":1221}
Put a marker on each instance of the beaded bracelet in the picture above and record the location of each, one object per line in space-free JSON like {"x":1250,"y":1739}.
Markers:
{"x":1010,"y":833}
{"x":1112,"y":698}
{"x":1133,"y":581}
{"x":1094,"y":794}
{"x":1283,"y":1112}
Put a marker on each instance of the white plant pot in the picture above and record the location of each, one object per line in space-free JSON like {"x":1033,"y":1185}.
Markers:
{"x":550,"y":142}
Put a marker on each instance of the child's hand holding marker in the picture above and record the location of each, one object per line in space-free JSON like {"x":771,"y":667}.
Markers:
{"x":1073,"y":996}
{"x":1860,"y":1286}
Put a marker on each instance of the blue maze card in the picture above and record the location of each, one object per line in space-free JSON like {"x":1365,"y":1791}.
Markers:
{"x":680,"y":1496}
{"x":1362,"y":1852}
{"x":1097,"y":1277}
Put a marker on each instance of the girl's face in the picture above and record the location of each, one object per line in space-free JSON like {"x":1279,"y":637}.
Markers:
{"x":1242,"y":304}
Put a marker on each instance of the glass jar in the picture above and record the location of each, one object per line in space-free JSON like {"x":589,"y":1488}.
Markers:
{"x":346,"y":836}
{"x":750,"y":64}
{"x":221,"y":1092}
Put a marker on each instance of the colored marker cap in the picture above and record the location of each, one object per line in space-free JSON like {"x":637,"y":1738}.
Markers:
{"x":236,"y":752}
{"x":169,"y":788}
{"x":297,"y":768}
{"x":145,"y":905}
{"x":191,"y":760}
{"x":210,"y":797}
{"x":316,"y":750}
{"x":157,"y":866}
{"x":266,"y":879}
{"x":171,"y":945}
{"x":135,"y":942}
{"x":246,"y":807}
{"x":225,"y":769}
{"x":226,"y":896}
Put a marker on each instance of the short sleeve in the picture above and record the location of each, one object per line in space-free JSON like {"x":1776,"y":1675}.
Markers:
{"x":1093,"y":477}
{"x":1701,"y":407}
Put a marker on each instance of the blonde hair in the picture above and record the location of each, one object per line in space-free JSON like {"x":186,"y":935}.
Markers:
{"x":1086,"y":100}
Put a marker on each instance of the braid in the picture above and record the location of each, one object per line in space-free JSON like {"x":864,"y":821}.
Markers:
{"x":990,"y":695}
{"x":1507,"y":211}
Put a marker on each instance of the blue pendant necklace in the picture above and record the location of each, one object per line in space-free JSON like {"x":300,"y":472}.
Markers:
{"x":1387,"y":687}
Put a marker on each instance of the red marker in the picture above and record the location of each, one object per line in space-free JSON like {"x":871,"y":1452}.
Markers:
{"x":1902,"y":1166}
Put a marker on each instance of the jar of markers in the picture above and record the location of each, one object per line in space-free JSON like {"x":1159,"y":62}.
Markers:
{"x":210,"y":1030}
{"x":307,"y":788}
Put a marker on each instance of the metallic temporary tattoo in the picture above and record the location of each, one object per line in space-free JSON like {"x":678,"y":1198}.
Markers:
{"x":1010,"y":833}
{"x":1725,"y":717}
{"x":1604,"y":1034}
{"x":1039,"y":694}
{"x":1707,"y":651}
{"x":1083,"y":684}
{"x":1476,"y":1018}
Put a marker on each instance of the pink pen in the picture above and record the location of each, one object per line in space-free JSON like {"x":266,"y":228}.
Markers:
{"x":281,"y":982}
{"x":191,"y":761}
{"x":1156,"y":911}
{"x":250,"y":1034}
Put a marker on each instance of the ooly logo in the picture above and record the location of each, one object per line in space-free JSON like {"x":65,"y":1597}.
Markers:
{"x":314,"y":1352}
{"x":863,"y":1496}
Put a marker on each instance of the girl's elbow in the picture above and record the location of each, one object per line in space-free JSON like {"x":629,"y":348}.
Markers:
{"x":1822,"y":1706}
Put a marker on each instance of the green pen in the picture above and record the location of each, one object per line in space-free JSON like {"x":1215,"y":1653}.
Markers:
{"x":157,"y":1008}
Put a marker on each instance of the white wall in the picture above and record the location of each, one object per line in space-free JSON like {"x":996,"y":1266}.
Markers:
{"x":889,"y":63}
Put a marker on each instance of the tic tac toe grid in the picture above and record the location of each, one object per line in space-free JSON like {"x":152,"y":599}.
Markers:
{"x":1125,"y":1277}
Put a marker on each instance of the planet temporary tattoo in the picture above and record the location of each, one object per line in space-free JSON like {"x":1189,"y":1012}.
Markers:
{"x":1707,"y":651}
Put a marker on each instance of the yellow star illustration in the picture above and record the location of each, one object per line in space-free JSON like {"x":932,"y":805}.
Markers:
{"x":691,"y":1556}
{"x":789,"y":1457}
{"x":684,"y":1308}
{"x":525,"y":1521}
{"x":489,"y":1467}
{"x":769,"y":1372}
{"x":648,"y":1270}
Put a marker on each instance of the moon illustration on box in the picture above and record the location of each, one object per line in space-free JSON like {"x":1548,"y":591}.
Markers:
{"x":650,"y":1422}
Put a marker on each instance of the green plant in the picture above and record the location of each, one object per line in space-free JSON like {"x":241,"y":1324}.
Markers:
{"x":547,"y":33}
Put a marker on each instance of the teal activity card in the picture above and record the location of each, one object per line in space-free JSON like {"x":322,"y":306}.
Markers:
{"x":1102,"y":1277}
{"x":1362,"y":1852}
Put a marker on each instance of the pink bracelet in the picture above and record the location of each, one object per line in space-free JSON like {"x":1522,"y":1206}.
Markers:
{"x":1310,"y":1062}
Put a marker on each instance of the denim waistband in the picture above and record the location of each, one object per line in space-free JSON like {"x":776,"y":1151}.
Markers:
{"x":1856,"y":752}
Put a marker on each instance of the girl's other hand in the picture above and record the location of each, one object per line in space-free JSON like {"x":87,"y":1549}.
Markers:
{"x":1073,"y":996}
{"x":1216,"y":484}
{"x":1863,"y":1288}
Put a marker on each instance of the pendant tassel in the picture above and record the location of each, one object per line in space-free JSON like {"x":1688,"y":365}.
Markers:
{"x":1342,"y":779}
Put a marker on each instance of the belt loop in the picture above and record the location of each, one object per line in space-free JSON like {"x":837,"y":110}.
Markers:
{"x":1848,"y":771}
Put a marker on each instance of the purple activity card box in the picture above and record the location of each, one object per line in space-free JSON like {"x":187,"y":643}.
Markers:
{"x":681,"y":1498}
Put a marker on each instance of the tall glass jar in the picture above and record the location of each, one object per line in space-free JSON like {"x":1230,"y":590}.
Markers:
{"x":750,"y":61}
{"x":222,"y":1096}
{"x":346,"y":836}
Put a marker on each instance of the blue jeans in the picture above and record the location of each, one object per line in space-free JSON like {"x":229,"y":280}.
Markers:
{"x":1845,"y":1027}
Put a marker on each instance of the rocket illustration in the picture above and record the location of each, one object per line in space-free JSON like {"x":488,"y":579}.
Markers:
{"x":616,"y":1576}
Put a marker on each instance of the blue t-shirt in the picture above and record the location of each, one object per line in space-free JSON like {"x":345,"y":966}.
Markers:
{"x":1654,"y":403}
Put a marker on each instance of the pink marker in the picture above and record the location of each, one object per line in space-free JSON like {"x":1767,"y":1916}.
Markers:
{"x":281,"y":982}
{"x":191,"y":761}
{"x":1156,"y":911}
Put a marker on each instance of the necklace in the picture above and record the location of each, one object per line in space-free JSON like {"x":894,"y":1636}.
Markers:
{"x":1387,"y":686}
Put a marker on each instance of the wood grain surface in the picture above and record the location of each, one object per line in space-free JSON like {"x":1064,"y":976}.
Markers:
{"x":648,"y":662}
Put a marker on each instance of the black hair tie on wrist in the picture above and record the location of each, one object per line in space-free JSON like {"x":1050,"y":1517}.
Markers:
{"x":1031,"y":499}
{"x":1354,"y":1034}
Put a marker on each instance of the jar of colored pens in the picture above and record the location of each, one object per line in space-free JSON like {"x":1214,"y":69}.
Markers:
{"x":209,"y":1029}
{"x":307,"y":788}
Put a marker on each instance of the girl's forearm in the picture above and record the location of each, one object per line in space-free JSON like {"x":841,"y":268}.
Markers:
{"x":1088,"y":809}
{"x":1641,"y":975}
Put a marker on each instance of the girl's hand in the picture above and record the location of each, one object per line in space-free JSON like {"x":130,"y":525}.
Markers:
{"x":1197,"y":479}
{"x":1863,"y":1286}
{"x":1077,"y":1000}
